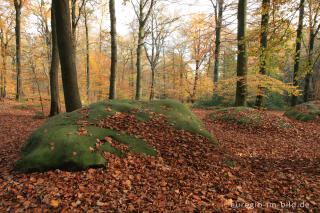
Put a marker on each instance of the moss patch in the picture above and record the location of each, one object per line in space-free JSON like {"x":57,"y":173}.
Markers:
{"x":240,"y":115}
{"x":305,"y":112}
{"x":69,"y":141}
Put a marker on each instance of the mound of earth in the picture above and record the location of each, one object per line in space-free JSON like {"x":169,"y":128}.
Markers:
{"x":87,"y":137}
{"x":305,"y":112}
{"x":250,"y":118}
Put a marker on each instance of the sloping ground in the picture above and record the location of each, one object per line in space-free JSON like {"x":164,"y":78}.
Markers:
{"x":190,"y":174}
{"x":305,"y":112}
{"x":279,"y":157}
{"x":81,"y":139}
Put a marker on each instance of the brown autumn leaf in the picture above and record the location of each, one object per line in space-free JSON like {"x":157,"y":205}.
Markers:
{"x":54,"y":203}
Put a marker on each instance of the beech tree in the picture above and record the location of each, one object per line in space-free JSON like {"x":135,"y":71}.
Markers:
{"x":142,"y":9}
{"x":66,"y":53}
{"x":314,"y":27}
{"x":294,"y":98}
{"x":54,"y":69}
{"x":265,"y":8}
{"x":18,"y":6}
{"x":114,"y":57}
{"x":159,"y":28}
{"x":242,"y":61}
{"x":6,"y":25}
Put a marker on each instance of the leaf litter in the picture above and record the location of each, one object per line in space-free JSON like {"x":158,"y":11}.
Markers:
{"x":190,"y":174}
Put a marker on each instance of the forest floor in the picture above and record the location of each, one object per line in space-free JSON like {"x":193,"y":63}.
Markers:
{"x":256,"y":168}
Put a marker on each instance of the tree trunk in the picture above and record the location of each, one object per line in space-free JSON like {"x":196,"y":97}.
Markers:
{"x":312,"y":37}
{"x":263,"y":47}
{"x":3,"y":79}
{"x":195,"y":84}
{"x":218,"y":41}
{"x":18,"y":6}
{"x":114,"y":58}
{"x":139,"y":66}
{"x":38,"y":86}
{"x":152,"y":83}
{"x":294,"y":98}
{"x":87,"y":56}
{"x":54,"y":69}
{"x":242,"y":62}
{"x":66,"y":51}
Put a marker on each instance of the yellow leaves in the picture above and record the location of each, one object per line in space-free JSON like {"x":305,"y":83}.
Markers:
{"x":20,"y":197}
{"x":54,"y":203}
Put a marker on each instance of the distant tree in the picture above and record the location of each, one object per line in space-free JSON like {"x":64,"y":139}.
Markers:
{"x":18,"y":6}
{"x":159,"y":27}
{"x":143,"y":9}
{"x":54,"y":69}
{"x":242,"y":61}
{"x":66,"y":51}
{"x":6,"y":23}
{"x":314,"y":27}
{"x":294,"y":98}
{"x":265,"y":8}
{"x":114,"y":57}
{"x":219,"y":8}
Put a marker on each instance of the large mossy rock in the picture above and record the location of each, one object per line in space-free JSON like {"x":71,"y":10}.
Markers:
{"x":239,"y":115}
{"x":305,"y":112}
{"x":69,"y":141}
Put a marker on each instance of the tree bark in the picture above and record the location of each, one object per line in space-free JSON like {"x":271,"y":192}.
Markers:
{"x":87,"y":55}
{"x":139,"y":66}
{"x":294,"y":98}
{"x":54,"y":69}
{"x":263,"y":47}
{"x":66,"y":51}
{"x":18,"y":6}
{"x":4,"y":47}
{"x":114,"y":57}
{"x":242,"y":62}
{"x":142,"y":17}
{"x":218,"y":41}
{"x":152,"y":83}
{"x":195,"y":84}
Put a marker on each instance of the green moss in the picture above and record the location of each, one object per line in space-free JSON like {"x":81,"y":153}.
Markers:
{"x":232,"y":114}
{"x":284,"y":124}
{"x":304,"y":112}
{"x":56,"y":144}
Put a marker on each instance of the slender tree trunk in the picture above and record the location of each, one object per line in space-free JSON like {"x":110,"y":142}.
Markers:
{"x":242,"y":62}
{"x":152,"y":83}
{"x":195,"y":84}
{"x":139,"y":66}
{"x":66,"y":51}
{"x":87,"y":56}
{"x":114,"y":57}
{"x":74,"y":29}
{"x":218,"y":41}
{"x":54,"y":69}
{"x":312,"y":37}
{"x":3,"y":79}
{"x":18,"y":6}
{"x":263,"y":47}
{"x":294,"y":98}
{"x":38,"y":86}
{"x":181,"y":79}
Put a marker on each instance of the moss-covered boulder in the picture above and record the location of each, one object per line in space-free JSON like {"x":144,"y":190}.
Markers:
{"x":251,"y":119}
{"x":78,"y":140}
{"x":239,"y":115}
{"x":305,"y":112}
